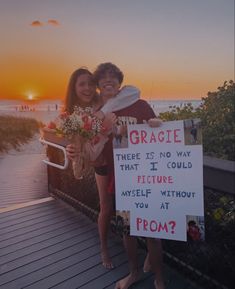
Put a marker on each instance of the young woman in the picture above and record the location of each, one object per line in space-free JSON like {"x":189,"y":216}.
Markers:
{"x":82,"y":93}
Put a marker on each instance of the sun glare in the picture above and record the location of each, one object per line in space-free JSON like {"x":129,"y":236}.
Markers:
{"x":30,"y":97}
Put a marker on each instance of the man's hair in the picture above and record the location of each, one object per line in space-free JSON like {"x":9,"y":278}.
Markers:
{"x":109,"y":67}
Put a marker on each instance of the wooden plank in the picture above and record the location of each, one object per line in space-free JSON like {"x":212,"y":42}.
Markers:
{"x":24,"y":220}
{"x":26,"y":204}
{"x":55,"y":267}
{"x":36,"y":219}
{"x":78,"y":274}
{"x":111,"y":277}
{"x":40,"y":235}
{"x":29,"y":253}
{"x":11,"y":215}
{"x":41,"y":266}
{"x":43,"y":224}
{"x":121,"y":273}
{"x":35,"y":233}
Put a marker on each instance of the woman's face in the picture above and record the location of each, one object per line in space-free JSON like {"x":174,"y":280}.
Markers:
{"x":85,"y":88}
{"x":108,"y":85}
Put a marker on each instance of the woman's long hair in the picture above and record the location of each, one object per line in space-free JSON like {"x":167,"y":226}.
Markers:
{"x":71,"y":98}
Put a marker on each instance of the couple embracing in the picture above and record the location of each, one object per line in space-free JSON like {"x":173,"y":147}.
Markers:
{"x":112,"y":104}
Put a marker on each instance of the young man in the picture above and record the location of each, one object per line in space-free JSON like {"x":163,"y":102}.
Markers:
{"x":109,"y":79}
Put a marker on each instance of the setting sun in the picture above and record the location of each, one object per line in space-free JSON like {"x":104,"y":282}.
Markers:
{"x":30,"y":97}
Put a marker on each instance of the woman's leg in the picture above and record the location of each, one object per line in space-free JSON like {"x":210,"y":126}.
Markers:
{"x":105,"y":214}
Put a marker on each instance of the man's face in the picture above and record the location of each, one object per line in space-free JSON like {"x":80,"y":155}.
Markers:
{"x":108,"y":85}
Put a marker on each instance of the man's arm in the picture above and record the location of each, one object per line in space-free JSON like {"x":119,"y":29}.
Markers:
{"x":127,"y":96}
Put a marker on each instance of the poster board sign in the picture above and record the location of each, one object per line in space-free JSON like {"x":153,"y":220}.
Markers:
{"x":159,"y":179}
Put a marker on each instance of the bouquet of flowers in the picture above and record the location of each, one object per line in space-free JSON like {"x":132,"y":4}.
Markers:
{"x":81,"y":122}
{"x":81,"y":128}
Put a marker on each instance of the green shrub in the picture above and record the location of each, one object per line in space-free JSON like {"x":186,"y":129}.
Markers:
{"x":217,"y":114}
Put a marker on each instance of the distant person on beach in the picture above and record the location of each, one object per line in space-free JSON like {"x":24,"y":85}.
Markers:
{"x":82,"y":92}
{"x":109,"y":79}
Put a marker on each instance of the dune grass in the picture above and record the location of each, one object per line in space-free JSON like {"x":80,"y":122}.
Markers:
{"x":15,"y":131}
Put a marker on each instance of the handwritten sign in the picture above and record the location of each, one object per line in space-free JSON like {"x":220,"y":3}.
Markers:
{"x":159,"y":178}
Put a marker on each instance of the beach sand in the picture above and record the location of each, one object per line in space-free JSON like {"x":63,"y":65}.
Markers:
{"x":23,"y":175}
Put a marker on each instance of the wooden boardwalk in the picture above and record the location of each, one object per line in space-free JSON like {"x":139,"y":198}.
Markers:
{"x":22,"y":175}
{"x":49,"y":244}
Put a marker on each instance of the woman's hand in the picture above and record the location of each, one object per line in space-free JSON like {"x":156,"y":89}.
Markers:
{"x":71,"y":151}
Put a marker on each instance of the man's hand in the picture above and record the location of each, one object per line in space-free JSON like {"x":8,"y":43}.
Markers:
{"x":154,"y":122}
{"x":100,"y":115}
{"x":109,"y":120}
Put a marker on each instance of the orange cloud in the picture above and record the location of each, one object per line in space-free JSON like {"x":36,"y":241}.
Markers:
{"x":36,"y":23}
{"x":53,"y":22}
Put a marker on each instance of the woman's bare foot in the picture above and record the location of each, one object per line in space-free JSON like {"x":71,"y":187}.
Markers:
{"x":126,"y":282}
{"x":106,"y":260}
{"x":147,"y":266}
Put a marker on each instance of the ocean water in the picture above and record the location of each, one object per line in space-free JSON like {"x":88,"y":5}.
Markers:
{"x":43,"y":111}
{"x":47,"y":110}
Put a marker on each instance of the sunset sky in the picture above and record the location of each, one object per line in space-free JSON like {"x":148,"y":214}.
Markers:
{"x":170,"y":49}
